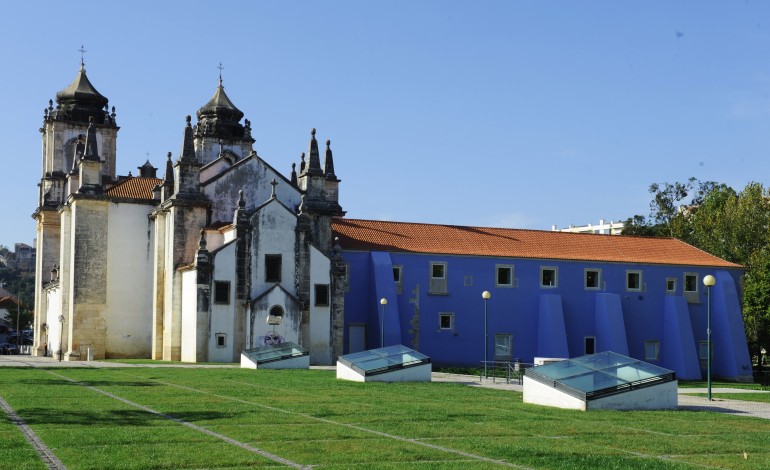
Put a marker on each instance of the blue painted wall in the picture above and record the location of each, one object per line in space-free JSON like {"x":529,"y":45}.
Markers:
{"x":547,"y":321}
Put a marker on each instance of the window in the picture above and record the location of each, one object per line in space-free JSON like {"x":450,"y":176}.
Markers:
{"x":691,"y":288}
{"x":504,"y":275}
{"x":703,"y":353}
{"x":446,"y":321}
{"x":438,"y":278}
{"x":221,"y":340}
{"x":593,"y":278}
{"x":548,"y":276}
{"x":397,"y":274}
{"x":438,"y":270}
{"x":651,"y":350}
{"x":322,"y":294}
{"x":634,"y":280}
{"x":589,"y":345}
{"x":221,"y":292}
{"x":690,"y":282}
{"x":503,"y":347}
{"x":272,"y":268}
{"x":671,"y":285}
{"x":275,"y":316}
{"x":468,"y":281}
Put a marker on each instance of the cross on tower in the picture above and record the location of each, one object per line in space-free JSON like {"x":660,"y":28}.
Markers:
{"x":220,"y":72}
{"x":82,"y":51}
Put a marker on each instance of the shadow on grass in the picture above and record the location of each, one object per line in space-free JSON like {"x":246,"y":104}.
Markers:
{"x":47,"y":416}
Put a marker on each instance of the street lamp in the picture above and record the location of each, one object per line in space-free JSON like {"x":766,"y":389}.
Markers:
{"x":709,"y":282}
{"x":485,"y":295}
{"x":383,"y":302}
{"x":61,"y":335}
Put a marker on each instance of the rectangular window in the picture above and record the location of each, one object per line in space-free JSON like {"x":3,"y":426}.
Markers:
{"x":690,"y":282}
{"x":671,"y":285}
{"x":634,"y":280}
{"x":221,"y":340}
{"x":548,"y":276}
{"x":322,"y":295}
{"x":438,"y":278}
{"x":691,"y":288}
{"x":272,"y":268}
{"x":503,"y":347}
{"x":468,"y":281}
{"x":397,"y":274}
{"x":651,"y":350}
{"x":593,"y":278}
{"x":446,"y":321}
{"x":504,"y":277}
{"x":221,"y":292}
{"x":589,"y":345}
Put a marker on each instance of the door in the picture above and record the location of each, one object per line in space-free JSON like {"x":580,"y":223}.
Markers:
{"x":356,"y":338}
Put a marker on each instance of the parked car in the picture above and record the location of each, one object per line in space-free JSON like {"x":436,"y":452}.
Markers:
{"x":24,"y":339}
{"x":8,"y":348}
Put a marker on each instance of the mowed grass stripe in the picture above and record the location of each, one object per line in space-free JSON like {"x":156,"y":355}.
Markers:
{"x":491,"y":423}
{"x":242,"y":445}
{"x":400,"y":405}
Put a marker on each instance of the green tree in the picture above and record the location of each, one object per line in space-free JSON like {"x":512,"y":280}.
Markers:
{"x":733,"y":226}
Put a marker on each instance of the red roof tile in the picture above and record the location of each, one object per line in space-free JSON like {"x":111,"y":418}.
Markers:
{"x":369,"y":235}
{"x":134,"y":188}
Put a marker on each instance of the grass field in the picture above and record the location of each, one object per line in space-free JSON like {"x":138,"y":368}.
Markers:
{"x":180,"y":418}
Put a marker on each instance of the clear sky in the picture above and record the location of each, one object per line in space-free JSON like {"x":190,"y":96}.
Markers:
{"x":494,"y":113}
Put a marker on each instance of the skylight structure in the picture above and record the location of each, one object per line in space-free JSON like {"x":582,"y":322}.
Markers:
{"x":281,"y":356}
{"x":601,"y":381}
{"x":389,"y":364}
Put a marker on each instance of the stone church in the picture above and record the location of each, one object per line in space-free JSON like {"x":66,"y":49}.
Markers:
{"x":218,"y":254}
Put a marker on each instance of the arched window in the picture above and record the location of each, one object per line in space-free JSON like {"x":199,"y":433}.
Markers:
{"x":275,"y":315}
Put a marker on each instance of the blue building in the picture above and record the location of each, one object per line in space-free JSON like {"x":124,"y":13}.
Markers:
{"x":553,"y":294}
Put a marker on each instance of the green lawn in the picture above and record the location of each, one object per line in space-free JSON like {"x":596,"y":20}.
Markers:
{"x":236,"y":418}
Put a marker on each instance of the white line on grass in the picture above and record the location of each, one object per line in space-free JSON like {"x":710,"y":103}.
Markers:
{"x":203,"y":430}
{"x":352,"y":426}
{"x":48,"y":457}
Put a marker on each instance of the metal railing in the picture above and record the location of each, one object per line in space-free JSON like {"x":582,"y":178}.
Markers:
{"x":503,"y":370}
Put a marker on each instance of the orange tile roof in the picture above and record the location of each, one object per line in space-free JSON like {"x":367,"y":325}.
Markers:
{"x":134,"y":188}
{"x":516,"y":243}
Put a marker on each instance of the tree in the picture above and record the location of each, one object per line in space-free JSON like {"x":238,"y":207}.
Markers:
{"x":733,"y":226}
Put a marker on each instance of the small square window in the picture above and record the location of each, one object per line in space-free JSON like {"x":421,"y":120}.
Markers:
{"x":593,"y":278}
{"x":548,"y":277}
{"x":221,"y":292}
{"x":634,"y":280}
{"x":446,"y":321}
{"x":690,"y":283}
{"x":221,"y":340}
{"x":671,"y":285}
{"x":504,"y":276}
{"x":322,"y":295}
{"x":651,"y":350}
{"x":438,"y":270}
{"x":397,"y":274}
{"x":703,"y":350}
{"x":272,"y":268}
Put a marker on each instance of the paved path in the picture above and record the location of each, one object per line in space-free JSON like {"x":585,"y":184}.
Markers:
{"x":686,"y":400}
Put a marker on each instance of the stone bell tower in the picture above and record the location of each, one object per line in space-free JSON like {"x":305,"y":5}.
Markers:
{"x":64,"y":131}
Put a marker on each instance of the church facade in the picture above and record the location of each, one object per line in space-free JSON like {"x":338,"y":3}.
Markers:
{"x":223,"y":253}
{"x":188,"y":266}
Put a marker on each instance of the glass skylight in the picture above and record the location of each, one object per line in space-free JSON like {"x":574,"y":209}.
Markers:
{"x":275,"y":353}
{"x":378,"y":361}
{"x":602,"y":374}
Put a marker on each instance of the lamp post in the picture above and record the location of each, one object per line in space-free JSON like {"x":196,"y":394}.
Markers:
{"x":709,"y":282}
{"x":485,"y":295}
{"x":383,"y":302}
{"x":61,"y":335}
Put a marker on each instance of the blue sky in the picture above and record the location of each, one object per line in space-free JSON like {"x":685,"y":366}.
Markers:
{"x":495,"y":113}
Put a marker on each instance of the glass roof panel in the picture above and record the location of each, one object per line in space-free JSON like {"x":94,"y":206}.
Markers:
{"x":275,"y":352}
{"x":383,"y":359}
{"x":600,"y":374}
